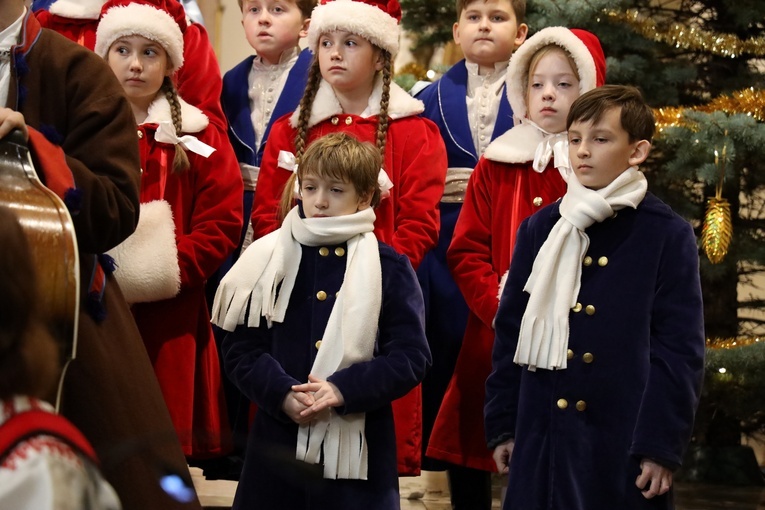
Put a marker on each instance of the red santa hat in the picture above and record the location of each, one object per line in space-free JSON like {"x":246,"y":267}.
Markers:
{"x":162,"y":21}
{"x":583,"y":47}
{"x":374,"y":20}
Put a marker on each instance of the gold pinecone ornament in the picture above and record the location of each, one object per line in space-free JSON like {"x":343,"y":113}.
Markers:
{"x":717,"y":231}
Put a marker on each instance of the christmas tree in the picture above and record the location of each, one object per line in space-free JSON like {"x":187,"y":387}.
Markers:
{"x":701,"y":65}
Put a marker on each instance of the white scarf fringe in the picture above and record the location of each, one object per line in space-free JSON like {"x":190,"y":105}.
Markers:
{"x":351,"y":330}
{"x":555,"y":279}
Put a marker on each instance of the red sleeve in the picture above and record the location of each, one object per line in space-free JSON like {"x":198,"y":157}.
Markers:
{"x":418,"y":188}
{"x":199,"y":80}
{"x":215,"y":221}
{"x":271,"y":180}
{"x":470,"y":252}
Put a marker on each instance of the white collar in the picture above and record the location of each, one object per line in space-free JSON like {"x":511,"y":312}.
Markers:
{"x":325,"y":104}
{"x":10,"y":36}
{"x":499,"y":69}
{"x":287,"y":58}
{"x":192,"y":117}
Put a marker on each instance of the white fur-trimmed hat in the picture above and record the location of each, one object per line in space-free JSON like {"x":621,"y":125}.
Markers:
{"x":123,"y":19}
{"x":374,"y":20}
{"x":583,"y":46}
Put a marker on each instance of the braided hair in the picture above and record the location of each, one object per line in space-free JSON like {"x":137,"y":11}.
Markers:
{"x":181,"y":159}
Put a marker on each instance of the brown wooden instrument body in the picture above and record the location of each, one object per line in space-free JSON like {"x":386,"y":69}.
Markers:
{"x":50,"y":231}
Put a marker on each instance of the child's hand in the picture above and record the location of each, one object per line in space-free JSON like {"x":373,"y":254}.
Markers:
{"x":10,"y":120}
{"x":501,"y":455}
{"x":655,"y":479}
{"x":325,"y":394}
{"x":296,"y":402}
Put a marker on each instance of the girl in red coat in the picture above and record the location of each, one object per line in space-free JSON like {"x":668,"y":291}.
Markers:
{"x":350,"y":89}
{"x":516,"y":176}
{"x":191,"y":216}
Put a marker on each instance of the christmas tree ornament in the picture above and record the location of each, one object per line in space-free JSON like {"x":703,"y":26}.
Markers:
{"x":717,"y":231}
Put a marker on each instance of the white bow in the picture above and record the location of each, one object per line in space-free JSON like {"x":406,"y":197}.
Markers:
{"x":166,"y":134}
{"x":556,"y":147}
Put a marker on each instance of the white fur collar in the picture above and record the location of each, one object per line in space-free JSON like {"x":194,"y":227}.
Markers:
{"x":325,"y":104}
{"x":77,"y":9}
{"x":193,"y":119}
{"x":516,"y":145}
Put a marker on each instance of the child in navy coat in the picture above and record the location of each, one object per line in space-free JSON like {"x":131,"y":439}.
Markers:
{"x":332,"y":332}
{"x":599,"y":351}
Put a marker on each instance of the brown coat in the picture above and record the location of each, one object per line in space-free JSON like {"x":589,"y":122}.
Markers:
{"x":110,"y":391}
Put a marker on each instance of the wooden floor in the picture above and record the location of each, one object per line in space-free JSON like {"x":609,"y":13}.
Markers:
{"x":430,"y":492}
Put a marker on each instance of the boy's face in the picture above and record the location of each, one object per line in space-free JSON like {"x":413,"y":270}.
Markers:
{"x":273,"y":27}
{"x":553,"y":86}
{"x":324,"y":197}
{"x":601,"y":151}
{"x":488,"y":32}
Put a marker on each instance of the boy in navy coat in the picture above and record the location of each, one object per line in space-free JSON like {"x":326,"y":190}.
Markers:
{"x":470,"y":107}
{"x":599,"y":351}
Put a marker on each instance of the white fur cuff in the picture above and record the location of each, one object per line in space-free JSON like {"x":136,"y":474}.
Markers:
{"x":147,"y":261}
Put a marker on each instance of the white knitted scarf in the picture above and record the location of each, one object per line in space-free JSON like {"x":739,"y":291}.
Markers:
{"x":555,"y":279}
{"x":268,"y":268}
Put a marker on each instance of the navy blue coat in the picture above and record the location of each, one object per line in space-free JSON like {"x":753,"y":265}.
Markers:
{"x":634,"y":372}
{"x":445,"y":309}
{"x":264,"y":363}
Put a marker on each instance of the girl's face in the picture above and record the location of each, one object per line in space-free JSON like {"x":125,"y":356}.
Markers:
{"x":325,"y":197}
{"x":140,"y":65}
{"x":347,"y":61}
{"x":553,"y":86}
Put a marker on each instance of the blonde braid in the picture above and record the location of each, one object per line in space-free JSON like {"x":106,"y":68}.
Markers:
{"x":382,"y":119}
{"x":181,"y":160}
{"x":306,"y":105}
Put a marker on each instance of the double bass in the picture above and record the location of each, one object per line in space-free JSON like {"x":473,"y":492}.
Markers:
{"x":49,"y":229}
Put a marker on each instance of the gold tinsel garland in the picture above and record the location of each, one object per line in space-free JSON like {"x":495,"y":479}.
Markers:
{"x":733,"y":342}
{"x":747,"y":101}
{"x":692,"y":38}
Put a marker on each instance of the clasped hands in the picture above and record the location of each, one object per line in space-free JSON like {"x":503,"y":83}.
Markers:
{"x":305,"y":401}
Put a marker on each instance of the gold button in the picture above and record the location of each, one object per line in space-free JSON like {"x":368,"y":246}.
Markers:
{"x":323,"y":251}
{"x":581,"y":405}
{"x":318,"y":344}
{"x":140,"y":134}
{"x":348,"y":121}
{"x":321,"y":295}
{"x":589,"y":310}
{"x":577,"y":308}
{"x":587,"y":261}
{"x":334,"y":121}
{"x":603,"y":261}
{"x":570,"y":354}
{"x":562,"y":403}
{"x":537,"y":201}
{"x":587,"y":357}
{"x":339,"y":251}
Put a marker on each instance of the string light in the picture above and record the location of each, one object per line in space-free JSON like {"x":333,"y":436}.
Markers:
{"x":733,"y":342}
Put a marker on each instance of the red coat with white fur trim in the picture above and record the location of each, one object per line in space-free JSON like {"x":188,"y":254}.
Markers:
{"x":415,"y":161}
{"x":206,"y":201}
{"x":199,"y":80}
{"x":499,"y":197}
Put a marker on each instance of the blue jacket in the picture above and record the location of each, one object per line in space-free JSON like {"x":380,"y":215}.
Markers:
{"x":636,"y":361}
{"x":264,"y":363}
{"x":236,"y":105}
{"x":445,"y":104}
